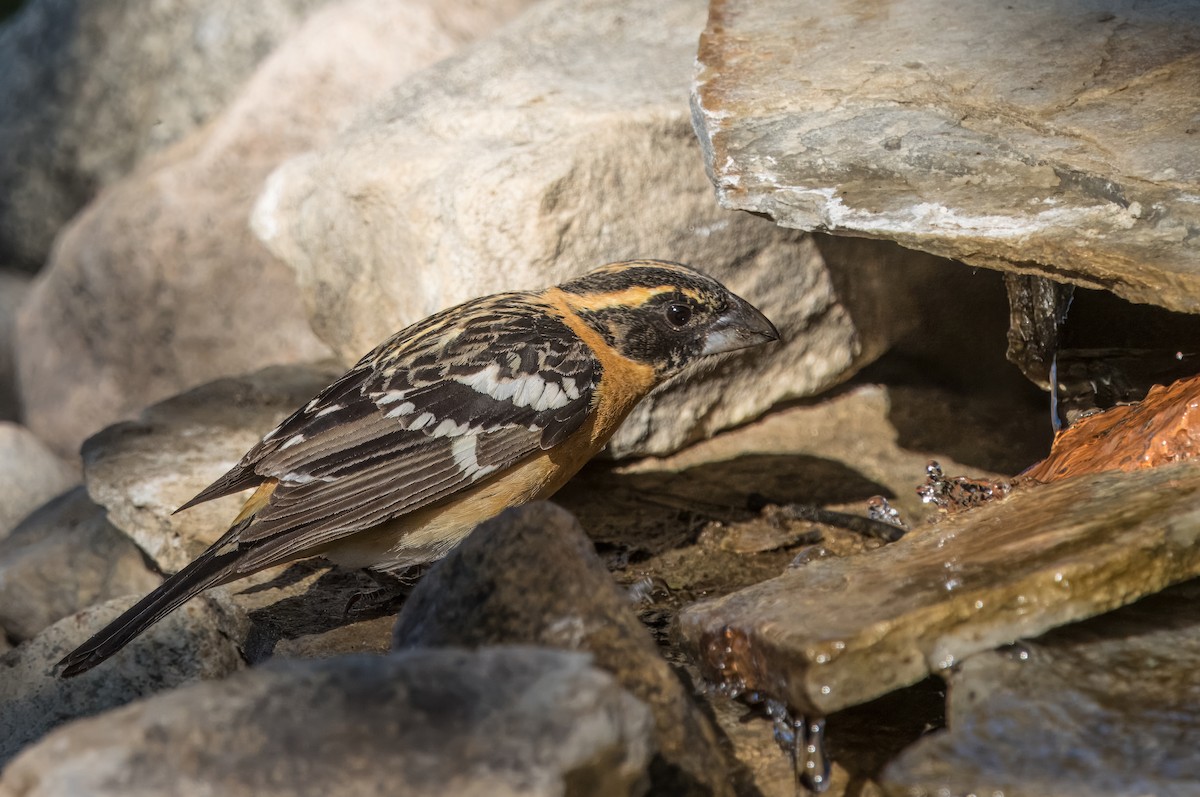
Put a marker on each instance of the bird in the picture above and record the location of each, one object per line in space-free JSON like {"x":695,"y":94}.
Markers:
{"x":486,"y":405}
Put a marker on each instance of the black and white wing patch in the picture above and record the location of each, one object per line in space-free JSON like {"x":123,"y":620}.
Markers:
{"x":436,"y":409}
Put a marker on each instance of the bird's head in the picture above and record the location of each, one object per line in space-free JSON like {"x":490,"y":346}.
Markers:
{"x":665,"y":315}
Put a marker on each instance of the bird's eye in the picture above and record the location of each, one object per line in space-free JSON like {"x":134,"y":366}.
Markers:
{"x":678,"y":314}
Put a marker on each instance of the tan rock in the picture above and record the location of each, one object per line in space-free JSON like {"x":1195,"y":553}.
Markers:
{"x":838,"y":632}
{"x":158,"y":285}
{"x":1058,"y":140}
{"x":186,"y":646}
{"x":30,"y":474}
{"x":63,"y":558}
{"x":558,"y":144}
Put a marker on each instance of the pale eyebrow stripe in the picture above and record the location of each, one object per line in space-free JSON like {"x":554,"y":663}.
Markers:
{"x":630,"y":297}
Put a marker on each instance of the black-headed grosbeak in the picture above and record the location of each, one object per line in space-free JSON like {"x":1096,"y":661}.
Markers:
{"x":489,"y":404}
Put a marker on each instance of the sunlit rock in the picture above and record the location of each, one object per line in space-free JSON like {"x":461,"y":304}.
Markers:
{"x":30,"y":474}
{"x":561,"y":143}
{"x":1046,"y":138}
{"x":1161,"y":429}
{"x":838,"y":632}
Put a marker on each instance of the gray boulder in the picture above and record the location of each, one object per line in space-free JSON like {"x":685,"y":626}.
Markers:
{"x":509,"y":721}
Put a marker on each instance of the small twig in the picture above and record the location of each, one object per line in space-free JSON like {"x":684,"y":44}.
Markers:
{"x":856,"y":523}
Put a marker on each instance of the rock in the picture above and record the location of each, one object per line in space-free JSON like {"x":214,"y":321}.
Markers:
{"x":838,"y":632}
{"x":186,"y":646}
{"x":1105,"y":707}
{"x":558,"y":144}
{"x":1024,"y":136}
{"x":368,"y":636}
{"x":62,"y":558}
{"x":31,"y":475}
{"x":110,"y":82}
{"x":141,"y":471}
{"x":507,"y":721}
{"x":14,"y":287}
{"x":300,"y":611}
{"x":158,"y":285}
{"x":531,"y":576}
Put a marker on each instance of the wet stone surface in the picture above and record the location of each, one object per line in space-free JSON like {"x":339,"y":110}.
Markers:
{"x":839,"y":632}
{"x":1106,"y":707}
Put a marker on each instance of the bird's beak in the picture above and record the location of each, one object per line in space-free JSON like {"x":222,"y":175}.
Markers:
{"x":741,"y":327}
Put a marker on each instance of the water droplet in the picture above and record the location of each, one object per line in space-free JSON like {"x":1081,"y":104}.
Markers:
{"x":978,"y":604}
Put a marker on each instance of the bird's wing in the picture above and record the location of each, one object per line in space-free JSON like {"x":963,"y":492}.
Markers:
{"x":441,"y":406}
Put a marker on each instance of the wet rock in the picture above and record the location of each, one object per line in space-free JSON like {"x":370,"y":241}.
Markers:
{"x":188,"y":645}
{"x":14,"y":287}
{"x":1162,"y":428}
{"x":141,"y":471}
{"x":176,"y":64}
{"x":558,"y":144}
{"x":30,"y":473}
{"x":62,"y":558}
{"x":1104,"y":707}
{"x":159,"y":286}
{"x":838,"y":632}
{"x":1011,"y":136}
{"x":505,"y":721}
{"x":531,"y":576}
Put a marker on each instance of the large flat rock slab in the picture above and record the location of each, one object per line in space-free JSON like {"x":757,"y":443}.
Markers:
{"x":838,"y":632}
{"x":1055,"y":138}
{"x":1099,"y":709}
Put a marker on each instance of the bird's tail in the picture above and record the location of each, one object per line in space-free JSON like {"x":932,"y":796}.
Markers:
{"x":212,"y":567}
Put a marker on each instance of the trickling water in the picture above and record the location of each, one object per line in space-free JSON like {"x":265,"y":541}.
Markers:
{"x":879,"y":509}
{"x":803,"y":739}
